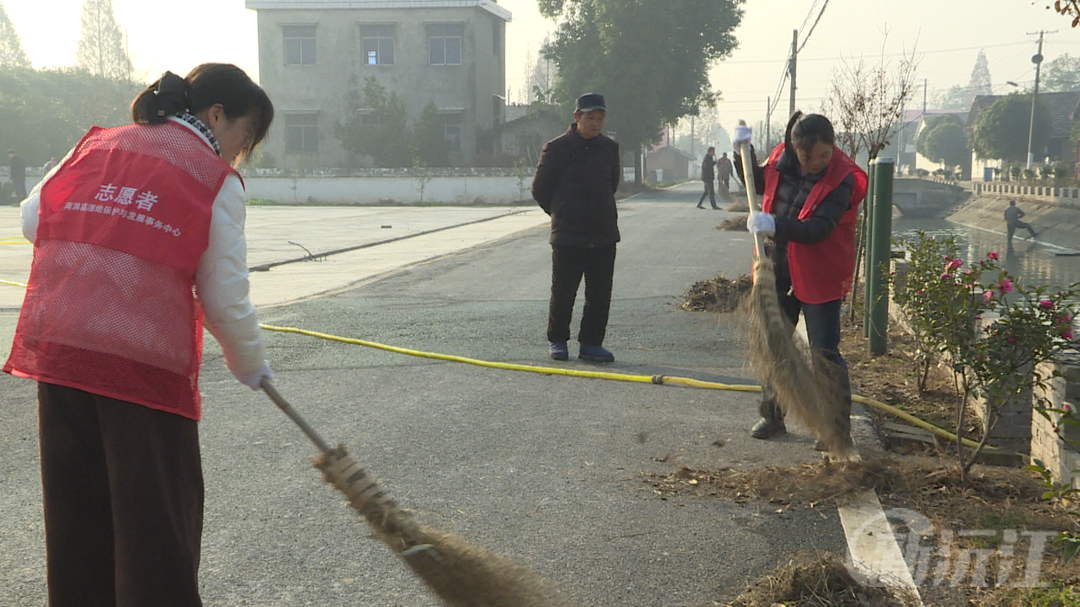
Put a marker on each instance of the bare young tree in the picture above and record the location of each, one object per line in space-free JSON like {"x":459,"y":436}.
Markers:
{"x":865,"y":104}
{"x":101,"y":45}
{"x":542,"y":76}
{"x":11,"y":50}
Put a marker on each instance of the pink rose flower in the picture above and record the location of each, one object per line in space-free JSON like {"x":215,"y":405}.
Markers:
{"x":953,"y":263}
{"x":992,"y":255}
{"x":1005,"y":285}
{"x":1046,"y":304}
{"x":987,"y":296}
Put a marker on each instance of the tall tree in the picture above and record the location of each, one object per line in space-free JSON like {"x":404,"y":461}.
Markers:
{"x":649,"y":59}
{"x":101,"y":45}
{"x":43,"y":113}
{"x":980,"y":83}
{"x":1001,"y":130}
{"x":944,"y":141}
{"x":427,"y":139}
{"x":379,"y":131}
{"x":1061,"y":74}
{"x":953,"y":98}
{"x":11,"y":50}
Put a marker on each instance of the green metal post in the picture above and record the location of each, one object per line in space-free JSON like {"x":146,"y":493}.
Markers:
{"x":877,"y":271}
{"x":868,"y":210}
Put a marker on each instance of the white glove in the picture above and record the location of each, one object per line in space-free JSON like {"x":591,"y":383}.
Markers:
{"x":761,"y":223}
{"x":742,"y":133}
{"x":254,"y":379}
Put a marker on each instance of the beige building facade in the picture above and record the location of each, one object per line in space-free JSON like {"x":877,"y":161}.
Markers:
{"x":315,"y":55}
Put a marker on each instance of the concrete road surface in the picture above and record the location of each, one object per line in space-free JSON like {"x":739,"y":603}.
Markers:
{"x":548,"y":469}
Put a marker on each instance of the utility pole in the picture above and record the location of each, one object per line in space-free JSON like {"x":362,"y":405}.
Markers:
{"x":768,"y":104}
{"x":791,"y":70}
{"x":1037,"y":60}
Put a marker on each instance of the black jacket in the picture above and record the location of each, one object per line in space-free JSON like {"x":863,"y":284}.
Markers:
{"x":791,"y":193}
{"x":707,"y":165}
{"x":575,"y":183}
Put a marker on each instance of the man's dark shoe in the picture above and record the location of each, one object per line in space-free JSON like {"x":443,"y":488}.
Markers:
{"x":768,"y":428}
{"x":596,"y":354}
{"x":701,"y":207}
{"x":558,"y":350}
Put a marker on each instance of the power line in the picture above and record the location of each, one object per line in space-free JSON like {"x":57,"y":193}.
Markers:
{"x":823,"y":6}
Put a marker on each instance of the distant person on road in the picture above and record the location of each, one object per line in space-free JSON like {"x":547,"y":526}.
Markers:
{"x":724,"y":169}
{"x":137,"y":236}
{"x":811,"y":194}
{"x":575,"y":183}
{"x":1012,"y":221}
{"x":18,"y":174}
{"x":708,"y":176}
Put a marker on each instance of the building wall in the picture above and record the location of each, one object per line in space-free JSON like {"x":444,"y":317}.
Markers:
{"x":331,"y":90}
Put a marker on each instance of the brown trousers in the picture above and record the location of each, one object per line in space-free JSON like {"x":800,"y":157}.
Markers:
{"x":123,"y":497}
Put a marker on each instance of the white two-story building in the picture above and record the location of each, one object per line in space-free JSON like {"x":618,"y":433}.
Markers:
{"x":314,"y":56}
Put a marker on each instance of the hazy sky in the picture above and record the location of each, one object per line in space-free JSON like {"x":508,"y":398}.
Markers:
{"x":946,"y":34}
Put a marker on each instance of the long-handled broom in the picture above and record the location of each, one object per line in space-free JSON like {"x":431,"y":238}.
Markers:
{"x":780,"y":362}
{"x":461,"y":574}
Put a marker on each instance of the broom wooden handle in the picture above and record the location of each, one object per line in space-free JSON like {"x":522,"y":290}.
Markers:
{"x":284,"y":405}
{"x":751,"y":190}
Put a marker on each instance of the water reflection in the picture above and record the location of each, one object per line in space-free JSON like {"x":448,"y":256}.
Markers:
{"x":1032,"y":262}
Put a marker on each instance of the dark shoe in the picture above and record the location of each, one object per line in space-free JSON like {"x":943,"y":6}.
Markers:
{"x":558,"y":350}
{"x":768,"y":428}
{"x":598,"y":354}
{"x":701,"y":207}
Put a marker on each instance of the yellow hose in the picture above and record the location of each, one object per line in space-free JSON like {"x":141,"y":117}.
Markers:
{"x":641,"y":379}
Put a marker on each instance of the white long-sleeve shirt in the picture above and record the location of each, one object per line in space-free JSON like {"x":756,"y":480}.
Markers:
{"x":221,"y":280}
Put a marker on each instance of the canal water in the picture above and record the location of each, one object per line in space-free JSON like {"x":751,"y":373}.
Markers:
{"x":1033,"y":262}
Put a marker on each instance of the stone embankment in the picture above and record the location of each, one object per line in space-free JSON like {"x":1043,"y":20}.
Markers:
{"x":1056,"y":218}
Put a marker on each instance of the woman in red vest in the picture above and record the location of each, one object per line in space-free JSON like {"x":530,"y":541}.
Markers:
{"x":138,"y":236}
{"x":811,"y":194}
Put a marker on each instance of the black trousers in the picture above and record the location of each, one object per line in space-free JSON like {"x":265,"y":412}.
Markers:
{"x":1021,"y":225}
{"x":710,"y":191}
{"x":123,"y":496}
{"x":568,"y":266}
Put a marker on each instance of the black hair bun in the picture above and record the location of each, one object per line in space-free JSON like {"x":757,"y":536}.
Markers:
{"x":171,"y":94}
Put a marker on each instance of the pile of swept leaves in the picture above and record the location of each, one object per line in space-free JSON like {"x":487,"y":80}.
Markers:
{"x":719,"y":294}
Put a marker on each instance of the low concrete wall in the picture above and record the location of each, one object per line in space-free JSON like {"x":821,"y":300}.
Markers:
{"x":385,"y":186}
{"x":1067,"y":197}
{"x":494,"y":190}
{"x":1061,"y":457}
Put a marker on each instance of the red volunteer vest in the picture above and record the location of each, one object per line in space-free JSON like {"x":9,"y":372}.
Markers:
{"x":822,"y":272}
{"x":110,"y":307}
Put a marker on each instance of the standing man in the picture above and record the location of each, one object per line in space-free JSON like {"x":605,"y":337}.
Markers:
{"x":724,"y":170}
{"x":575,"y":184}
{"x":1012,"y":221}
{"x":18,"y":174}
{"x":707,"y":176}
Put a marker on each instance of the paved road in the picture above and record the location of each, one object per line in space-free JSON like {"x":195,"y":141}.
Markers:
{"x":545,"y":468}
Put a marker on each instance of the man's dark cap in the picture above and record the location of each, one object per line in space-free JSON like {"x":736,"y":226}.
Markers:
{"x":589,"y":102}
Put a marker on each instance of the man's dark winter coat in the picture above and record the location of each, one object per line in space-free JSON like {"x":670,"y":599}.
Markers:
{"x":575,"y":183}
{"x":707,"y":173}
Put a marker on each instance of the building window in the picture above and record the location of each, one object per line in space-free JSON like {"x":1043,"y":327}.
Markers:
{"x":302,"y":133}
{"x":444,"y":44}
{"x":299,"y":44}
{"x":452,"y":131}
{"x":377,"y":42}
